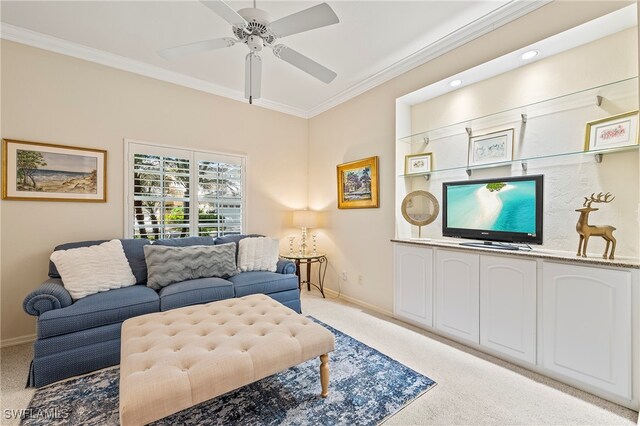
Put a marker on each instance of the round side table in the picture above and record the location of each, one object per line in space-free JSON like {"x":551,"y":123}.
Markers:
{"x":308,"y":260}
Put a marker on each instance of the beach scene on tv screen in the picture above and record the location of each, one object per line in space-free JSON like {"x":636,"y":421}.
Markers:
{"x":496,"y":206}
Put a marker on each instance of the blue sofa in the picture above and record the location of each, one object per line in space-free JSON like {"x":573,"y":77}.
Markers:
{"x":82,"y":336}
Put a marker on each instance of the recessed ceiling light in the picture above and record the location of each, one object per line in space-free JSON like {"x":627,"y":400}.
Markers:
{"x":455,"y":83}
{"x":528,"y":55}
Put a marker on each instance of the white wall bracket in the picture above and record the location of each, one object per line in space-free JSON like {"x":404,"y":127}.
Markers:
{"x":598,"y":158}
{"x":468,"y":172}
{"x":425,"y":140}
{"x":524,"y":165}
{"x":599,"y":100}
{"x":427,"y":177}
{"x":524,"y":118}
{"x":469,"y":131}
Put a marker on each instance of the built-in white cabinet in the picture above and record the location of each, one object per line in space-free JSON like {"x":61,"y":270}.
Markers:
{"x":586,"y":325}
{"x":572,"y":321}
{"x":508,"y":306}
{"x":414,"y":284}
{"x":457,"y":294}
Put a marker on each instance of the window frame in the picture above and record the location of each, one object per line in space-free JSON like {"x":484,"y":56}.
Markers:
{"x":132,"y":147}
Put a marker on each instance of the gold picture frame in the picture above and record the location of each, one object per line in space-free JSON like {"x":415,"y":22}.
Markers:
{"x":358,"y":184}
{"x":612,"y":132}
{"x":36,"y":171}
{"x":418,"y":164}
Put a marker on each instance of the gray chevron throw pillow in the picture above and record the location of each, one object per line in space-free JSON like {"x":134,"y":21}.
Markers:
{"x":167,"y":265}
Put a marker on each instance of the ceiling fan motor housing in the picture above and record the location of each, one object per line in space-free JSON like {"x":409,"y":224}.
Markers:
{"x":256,"y":33}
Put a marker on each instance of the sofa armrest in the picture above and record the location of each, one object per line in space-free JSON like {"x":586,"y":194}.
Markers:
{"x":50,"y":295}
{"x":285,"y":266}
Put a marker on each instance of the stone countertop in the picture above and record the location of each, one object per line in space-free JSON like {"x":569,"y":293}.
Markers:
{"x":534,"y":253}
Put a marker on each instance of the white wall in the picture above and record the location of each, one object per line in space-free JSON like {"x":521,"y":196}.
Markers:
{"x":555,"y":128}
{"x":358,"y":241}
{"x":48,"y":97}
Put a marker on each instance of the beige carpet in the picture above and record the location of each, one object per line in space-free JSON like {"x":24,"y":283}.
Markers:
{"x":473,"y":388}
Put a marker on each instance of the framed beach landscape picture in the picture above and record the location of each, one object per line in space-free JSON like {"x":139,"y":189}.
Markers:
{"x":358,"y":184}
{"x":48,"y":172}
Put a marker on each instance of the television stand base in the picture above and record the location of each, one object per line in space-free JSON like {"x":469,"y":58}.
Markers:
{"x":492,"y":245}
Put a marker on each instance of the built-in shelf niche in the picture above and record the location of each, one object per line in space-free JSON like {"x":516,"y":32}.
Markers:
{"x":531,"y":122}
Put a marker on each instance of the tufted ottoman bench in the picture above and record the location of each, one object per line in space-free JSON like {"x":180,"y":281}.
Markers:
{"x":176,"y":359}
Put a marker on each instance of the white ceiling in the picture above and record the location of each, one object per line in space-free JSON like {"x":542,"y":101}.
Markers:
{"x":371,"y":39}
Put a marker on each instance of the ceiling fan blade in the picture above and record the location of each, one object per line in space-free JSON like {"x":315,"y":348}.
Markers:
{"x":307,"y":65}
{"x":253,"y":77}
{"x":305,"y":20}
{"x":198,"y":46}
{"x":225,"y":12}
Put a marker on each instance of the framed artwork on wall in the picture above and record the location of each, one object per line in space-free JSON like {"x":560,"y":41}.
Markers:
{"x":493,"y":147}
{"x":612,"y":132}
{"x":358,"y":184}
{"x":47,"y":172}
{"x":416,"y":164}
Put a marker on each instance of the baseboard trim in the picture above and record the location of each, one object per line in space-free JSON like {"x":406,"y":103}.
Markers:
{"x":17,"y":340}
{"x":358,"y":302}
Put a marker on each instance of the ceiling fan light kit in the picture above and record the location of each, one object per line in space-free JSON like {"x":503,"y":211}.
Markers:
{"x":254,"y":28}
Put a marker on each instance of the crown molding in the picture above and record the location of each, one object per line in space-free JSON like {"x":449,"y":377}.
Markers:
{"x":481,"y":26}
{"x":501,"y":16}
{"x":43,"y":41}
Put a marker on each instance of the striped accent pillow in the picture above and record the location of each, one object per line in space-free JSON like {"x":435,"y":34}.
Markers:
{"x":167,"y":265}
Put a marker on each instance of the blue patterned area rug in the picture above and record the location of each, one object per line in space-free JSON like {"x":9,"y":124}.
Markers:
{"x":365,"y":388}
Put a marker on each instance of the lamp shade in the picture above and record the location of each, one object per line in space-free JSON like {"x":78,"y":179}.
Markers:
{"x":305,"y":219}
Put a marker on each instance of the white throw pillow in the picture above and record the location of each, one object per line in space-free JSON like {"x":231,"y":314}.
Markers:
{"x":89,"y":270}
{"x":258,"y":254}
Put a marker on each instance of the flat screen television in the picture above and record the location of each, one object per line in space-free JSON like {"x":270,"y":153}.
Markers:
{"x":505,"y":209}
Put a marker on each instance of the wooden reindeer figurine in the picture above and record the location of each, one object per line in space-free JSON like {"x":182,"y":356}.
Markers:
{"x":585,"y":230}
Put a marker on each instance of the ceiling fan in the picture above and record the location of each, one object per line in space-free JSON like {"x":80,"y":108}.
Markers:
{"x":255,"y":28}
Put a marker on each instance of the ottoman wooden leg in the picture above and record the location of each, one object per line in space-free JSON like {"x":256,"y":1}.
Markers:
{"x":324,"y":374}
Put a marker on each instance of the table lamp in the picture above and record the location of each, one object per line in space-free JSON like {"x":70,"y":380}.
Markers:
{"x":304,"y":219}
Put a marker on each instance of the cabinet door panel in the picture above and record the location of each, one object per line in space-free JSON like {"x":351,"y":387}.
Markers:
{"x":414,"y":284}
{"x":508,"y":306}
{"x":587,"y":325}
{"x":457,"y":294}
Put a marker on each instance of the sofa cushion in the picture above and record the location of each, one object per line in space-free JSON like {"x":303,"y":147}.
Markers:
{"x":262,"y":282}
{"x":168,"y":265}
{"x":258,"y":254}
{"x":53,"y":271}
{"x":133,"y":249}
{"x":235,"y":239}
{"x":184,"y":242}
{"x":194,"y":292}
{"x":90,"y":270}
{"x":109,"y":307}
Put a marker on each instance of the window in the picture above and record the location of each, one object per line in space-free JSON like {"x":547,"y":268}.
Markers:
{"x":176,"y":193}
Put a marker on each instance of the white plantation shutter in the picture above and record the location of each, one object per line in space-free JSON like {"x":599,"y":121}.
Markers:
{"x":219,"y":196}
{"x":175,"y":193}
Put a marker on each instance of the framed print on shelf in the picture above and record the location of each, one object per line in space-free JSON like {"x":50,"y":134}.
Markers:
{"x":47,"y":172}
{"x":417,"y":164}
{"x":612,"y":132}
{"x":358,"y":184}
{"x":493,"y":147}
